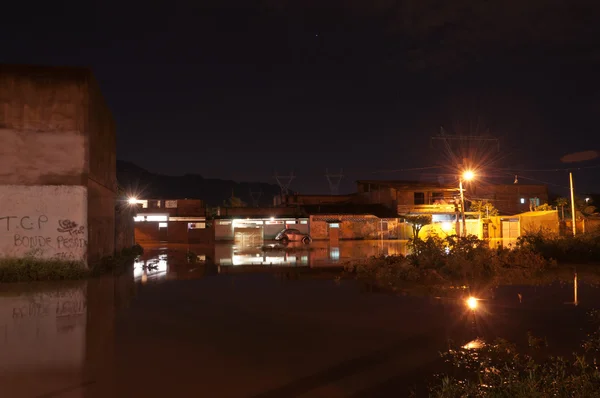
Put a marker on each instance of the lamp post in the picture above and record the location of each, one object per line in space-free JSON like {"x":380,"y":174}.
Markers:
{"x":467,"y":176}
{"x":572,"y":204}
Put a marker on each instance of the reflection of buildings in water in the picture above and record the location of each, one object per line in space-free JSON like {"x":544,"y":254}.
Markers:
{"x":153,"y":269}
{"x":317,"y":253}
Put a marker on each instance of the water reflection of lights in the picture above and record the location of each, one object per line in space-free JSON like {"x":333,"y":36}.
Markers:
{"x":155,"y":268}
{"x":271,"y":259}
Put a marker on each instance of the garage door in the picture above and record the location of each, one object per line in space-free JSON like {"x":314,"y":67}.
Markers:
{"x":510,"y":232}
{"x":248,"y":236}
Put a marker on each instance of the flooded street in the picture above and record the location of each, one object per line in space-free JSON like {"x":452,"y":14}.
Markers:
{"x":272,"y":325}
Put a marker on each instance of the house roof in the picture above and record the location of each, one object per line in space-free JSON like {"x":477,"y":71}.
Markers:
{"x":377,"y":210}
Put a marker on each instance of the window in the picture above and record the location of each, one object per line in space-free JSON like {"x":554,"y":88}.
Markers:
{"x":522,"y":201}
{"x":436,"y":196}
{"x":171,"y":204}
{"x":196,"y":225}
{"x":535,"y":201}
{"x":443,"y":217}
{"x":419,"y":198}
{"x":224,"y":222}
{"x":334,"y":225}
{"x":304,"y":222}
{"x":162,"y":225}
{"x":334,"y":253}
{"x":290,"y":222}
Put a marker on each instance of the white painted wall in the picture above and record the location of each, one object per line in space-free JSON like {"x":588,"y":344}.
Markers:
{"x":43,"y":221}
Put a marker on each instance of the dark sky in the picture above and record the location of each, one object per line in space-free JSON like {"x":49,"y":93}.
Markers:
{"x":241,"y":89}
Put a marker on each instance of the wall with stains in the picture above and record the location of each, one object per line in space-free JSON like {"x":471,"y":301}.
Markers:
{"x":56,"y":130}
{"x":44,"y":221}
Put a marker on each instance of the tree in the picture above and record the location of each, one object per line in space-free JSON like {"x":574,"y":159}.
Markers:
{"x":562,"y":202}
{"x":484,"y":208}
{"x":544,"y":207}
{"x":234,"y":201}
{"x":585,"y":207}
{"x":417,"y":222}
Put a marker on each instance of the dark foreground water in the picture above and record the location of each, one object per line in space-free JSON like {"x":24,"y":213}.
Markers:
{"x":204,"y":330}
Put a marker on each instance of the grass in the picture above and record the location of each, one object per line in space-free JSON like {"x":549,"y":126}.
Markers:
{"x":28,"y":269}
{"x":31,"y":268}
{"x":499,"y":370}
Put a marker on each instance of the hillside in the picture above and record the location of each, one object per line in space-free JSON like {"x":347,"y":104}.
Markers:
{"x":214,"y":192}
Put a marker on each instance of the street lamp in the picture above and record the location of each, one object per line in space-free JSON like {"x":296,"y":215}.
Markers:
{"x":132,"y":200}
{"x":467,"y":175}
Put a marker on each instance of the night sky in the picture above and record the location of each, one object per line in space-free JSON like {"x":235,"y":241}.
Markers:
{"x":242,"y":89}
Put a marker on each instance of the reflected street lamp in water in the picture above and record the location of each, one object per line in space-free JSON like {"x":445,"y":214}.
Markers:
{"x":467,"y":175}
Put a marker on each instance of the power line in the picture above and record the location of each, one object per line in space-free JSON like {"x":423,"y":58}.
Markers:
{"x":411,"y":169}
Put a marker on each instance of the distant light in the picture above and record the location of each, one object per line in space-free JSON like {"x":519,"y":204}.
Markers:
{"x":446,"y":226}
{"x":272,"y":218}
{"x":474,"y":345}
{"x":132,"y":200}
{"x":587,"y":200}
{"x":468,"y":175}
{"x":522,"y":200}
{"x":472,"y":303}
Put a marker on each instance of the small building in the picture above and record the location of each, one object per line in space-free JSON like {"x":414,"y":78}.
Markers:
{"x":170,"y":220}
{"x":256,"y":229}
{"x":512,"y":198}
{"x":352,"y":221}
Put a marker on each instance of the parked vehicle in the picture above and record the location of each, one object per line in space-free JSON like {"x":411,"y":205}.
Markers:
{"x":293,"y":235}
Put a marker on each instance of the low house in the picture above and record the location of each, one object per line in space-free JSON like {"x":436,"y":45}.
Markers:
{"x":352,"y":221}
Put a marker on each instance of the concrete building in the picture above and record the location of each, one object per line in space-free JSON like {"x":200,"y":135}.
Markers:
{"x":512,"y":198}
{"x":408,"y":196}
{"x":57,"y":165}
{"x":170,"y":220}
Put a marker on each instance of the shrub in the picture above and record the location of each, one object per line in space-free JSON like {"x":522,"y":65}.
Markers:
{"x":27,"y":269}
{"x":118,"y":263}
{"x":453,"y":260}
{"x":499,"y":370}
{"x":582,"y":248}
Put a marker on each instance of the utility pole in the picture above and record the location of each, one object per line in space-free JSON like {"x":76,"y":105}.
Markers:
{"x":572,"y":203}
{"x":255,"y":195}
{"x":334,"y":181}
{"x":462,"y":209}
{"x":284,"y":183}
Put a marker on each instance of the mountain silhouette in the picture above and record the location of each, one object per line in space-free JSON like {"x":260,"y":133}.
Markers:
{"x":139,"y":182}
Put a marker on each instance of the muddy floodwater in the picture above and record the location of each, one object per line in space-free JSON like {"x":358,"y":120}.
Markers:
{"x":268,"y":322}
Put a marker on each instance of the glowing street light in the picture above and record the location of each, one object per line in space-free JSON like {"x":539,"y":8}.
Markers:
{"x":467,"y":175}
{"x":132,"y":200}
{"x":472,"y":303}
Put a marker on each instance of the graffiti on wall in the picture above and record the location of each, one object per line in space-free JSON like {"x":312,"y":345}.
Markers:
{"x":34,"y":222}
{"x":43,"y":324}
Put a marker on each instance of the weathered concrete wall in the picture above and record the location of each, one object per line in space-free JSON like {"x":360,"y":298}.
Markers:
{"x":101,"y":221}
{"x":55,"y":129}
{"x":43,"y":221}
{"x":42,"y":125}
{"x":124,"y":228}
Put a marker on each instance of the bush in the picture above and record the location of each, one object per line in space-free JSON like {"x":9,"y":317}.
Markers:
{"x":29,"y":269}
{"x":118,"y":263}
{"x":584,"y":248}
{"x":498,"y":370}
{"x":452,"y":261}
